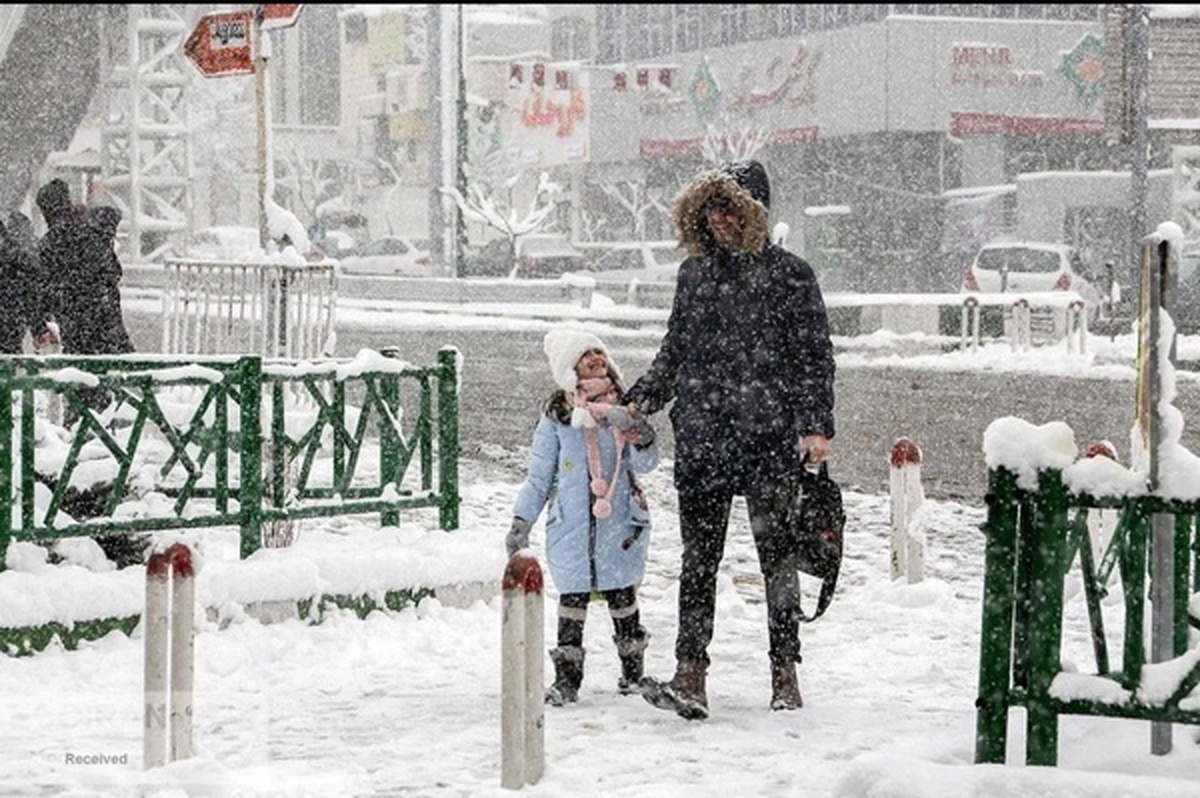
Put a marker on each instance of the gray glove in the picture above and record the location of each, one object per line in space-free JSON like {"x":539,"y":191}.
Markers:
{"x":635,"y":426}
{"x":518,"y":536}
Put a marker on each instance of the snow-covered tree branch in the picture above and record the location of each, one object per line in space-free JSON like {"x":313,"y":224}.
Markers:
{"x":638,"y":199}
{"x":499,"y":210}
{"x":728,"y":143}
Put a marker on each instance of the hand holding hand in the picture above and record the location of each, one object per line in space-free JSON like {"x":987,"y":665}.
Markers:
{"x":45,"y":340}
{"x":518,"y":536}
{"x":815,"y":448}
{"x":632,"y":423}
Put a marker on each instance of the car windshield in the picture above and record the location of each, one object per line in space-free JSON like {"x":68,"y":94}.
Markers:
{"x":546,"y":246}
{"x":386,"y":246}
{"x":1037,"y":261}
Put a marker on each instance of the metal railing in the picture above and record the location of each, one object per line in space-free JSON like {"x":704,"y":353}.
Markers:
{"x":1033,"y":539}
{"x":228,"y":307}
{"x":225,"y":442}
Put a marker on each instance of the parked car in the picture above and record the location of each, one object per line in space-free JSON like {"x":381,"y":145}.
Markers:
{"x":225,"y":242}
{"x":646,"y":260}
{"x":539,"y":255}
{"x":390,"y":256}
{"x":1032,"y":266}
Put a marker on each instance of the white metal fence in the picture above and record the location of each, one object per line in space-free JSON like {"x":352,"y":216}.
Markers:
{"x":228,"y":307}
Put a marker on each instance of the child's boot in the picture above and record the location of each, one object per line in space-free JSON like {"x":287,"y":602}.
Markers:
{"x":632,"y":651}
{"x":568,"y":675}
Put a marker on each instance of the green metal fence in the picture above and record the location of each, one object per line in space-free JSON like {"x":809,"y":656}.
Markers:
{"x":1033,"y":540}
{"x":224,"y":441}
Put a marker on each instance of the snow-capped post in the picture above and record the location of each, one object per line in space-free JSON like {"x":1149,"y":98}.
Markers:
{"x":169,"y":656}
{"x":907,"y":496}
{"x":1101,"y":522}
{"x":970,"y":322}
{"x":1022,"y":316}
{"x":522,"y":716}
{"x":1076,"y":324}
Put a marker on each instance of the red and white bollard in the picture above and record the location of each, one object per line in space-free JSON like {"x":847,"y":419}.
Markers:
{"x":1101,"y":522}
{"x":170,"y":656}
{"x":522,"y":715}
{"x":907,"y":495}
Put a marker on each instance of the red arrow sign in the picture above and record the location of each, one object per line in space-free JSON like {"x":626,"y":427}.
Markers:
{"x":279,"y":15}
{"x":220,"y":44}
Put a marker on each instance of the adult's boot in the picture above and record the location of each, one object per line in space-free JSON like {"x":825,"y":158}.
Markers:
{"x":632,"y":651}
{"x":685,"y":694}
{"x":568,"y":675}
{"x":785,"y":686}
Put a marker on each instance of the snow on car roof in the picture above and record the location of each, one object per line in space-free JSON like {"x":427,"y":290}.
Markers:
{"x":1048,"y":246}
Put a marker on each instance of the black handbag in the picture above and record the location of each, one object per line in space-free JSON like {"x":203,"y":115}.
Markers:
{"x":818,"y":519}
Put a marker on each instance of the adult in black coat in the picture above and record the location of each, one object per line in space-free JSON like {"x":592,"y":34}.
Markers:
{"x":20,"y":285}
{"x":748,"y":360}
{"x":83,"y":278}
{"x":106,"y":219}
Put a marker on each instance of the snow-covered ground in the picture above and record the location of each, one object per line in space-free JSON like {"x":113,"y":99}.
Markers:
{"x":408,"y":702}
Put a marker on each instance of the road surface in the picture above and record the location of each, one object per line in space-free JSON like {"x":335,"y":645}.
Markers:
{"x":506,"y":379}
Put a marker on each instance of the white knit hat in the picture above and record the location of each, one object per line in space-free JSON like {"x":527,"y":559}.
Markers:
{"x":564,"y":346}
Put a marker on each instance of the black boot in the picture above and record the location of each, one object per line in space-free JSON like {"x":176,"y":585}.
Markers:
{"x":632,"y":652}
{"x":568,"y":675}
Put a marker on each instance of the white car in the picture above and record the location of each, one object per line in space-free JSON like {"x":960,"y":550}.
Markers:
{"x":649,"y":261}
{"x":1031,"y":266}
{"x":392,"y":256}
{"x":225,"y":242}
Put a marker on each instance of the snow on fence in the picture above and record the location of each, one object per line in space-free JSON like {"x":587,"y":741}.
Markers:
{"x":227,"y":307}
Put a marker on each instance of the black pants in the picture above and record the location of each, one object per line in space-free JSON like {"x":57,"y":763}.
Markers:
{"x":703,"y":523}
{"x":622,"y":606}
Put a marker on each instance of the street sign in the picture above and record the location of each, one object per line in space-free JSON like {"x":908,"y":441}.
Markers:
{"x":279,"y":15}
{"x":220,"y":44}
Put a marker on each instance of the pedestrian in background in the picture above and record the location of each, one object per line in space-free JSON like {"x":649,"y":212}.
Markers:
{"x":586,"y":449}
{"x":21,"y":302}
{"x":82,"y":280}
{"x":106,"y":219}
{"x":748,"y":360}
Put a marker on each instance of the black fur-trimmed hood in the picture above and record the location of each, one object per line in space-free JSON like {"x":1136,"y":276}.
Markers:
{"x":746,"y":186}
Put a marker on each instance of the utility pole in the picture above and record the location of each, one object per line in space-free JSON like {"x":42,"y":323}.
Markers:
{"x":1137,"y":43}
{"x":262,"y":108}
{"x":460,"y":144}
{"x":433,"y":63}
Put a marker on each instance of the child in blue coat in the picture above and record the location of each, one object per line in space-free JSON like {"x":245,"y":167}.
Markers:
{"x":585,"y":451}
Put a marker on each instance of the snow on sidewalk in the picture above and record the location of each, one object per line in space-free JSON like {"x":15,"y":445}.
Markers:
{"x":408,"y":703}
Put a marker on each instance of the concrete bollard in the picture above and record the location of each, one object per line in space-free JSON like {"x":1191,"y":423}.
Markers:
{"x":907,"y":496}
{"x":1022,"y":318}
{"x":522,"y":716}
{"x":1076,"y":324}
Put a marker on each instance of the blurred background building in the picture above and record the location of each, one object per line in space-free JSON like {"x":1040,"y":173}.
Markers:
{"x":899,"y":137}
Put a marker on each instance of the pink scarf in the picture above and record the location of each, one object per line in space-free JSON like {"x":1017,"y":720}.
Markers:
{"x":588,"y":411}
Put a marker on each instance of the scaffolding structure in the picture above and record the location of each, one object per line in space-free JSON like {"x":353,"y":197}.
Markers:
{"x":146,"y":148}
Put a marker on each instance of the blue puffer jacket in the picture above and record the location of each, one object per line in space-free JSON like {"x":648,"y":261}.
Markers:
{"x":586,"y":553}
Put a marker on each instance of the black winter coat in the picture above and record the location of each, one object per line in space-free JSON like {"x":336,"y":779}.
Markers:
{"x":747,"y":356}
{"x":748,"y":360}
{"x":20,"y":293}
{"x":83,"y":276}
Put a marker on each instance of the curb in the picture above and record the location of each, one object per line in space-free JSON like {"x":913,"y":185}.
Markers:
{"x":28,"y":640}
